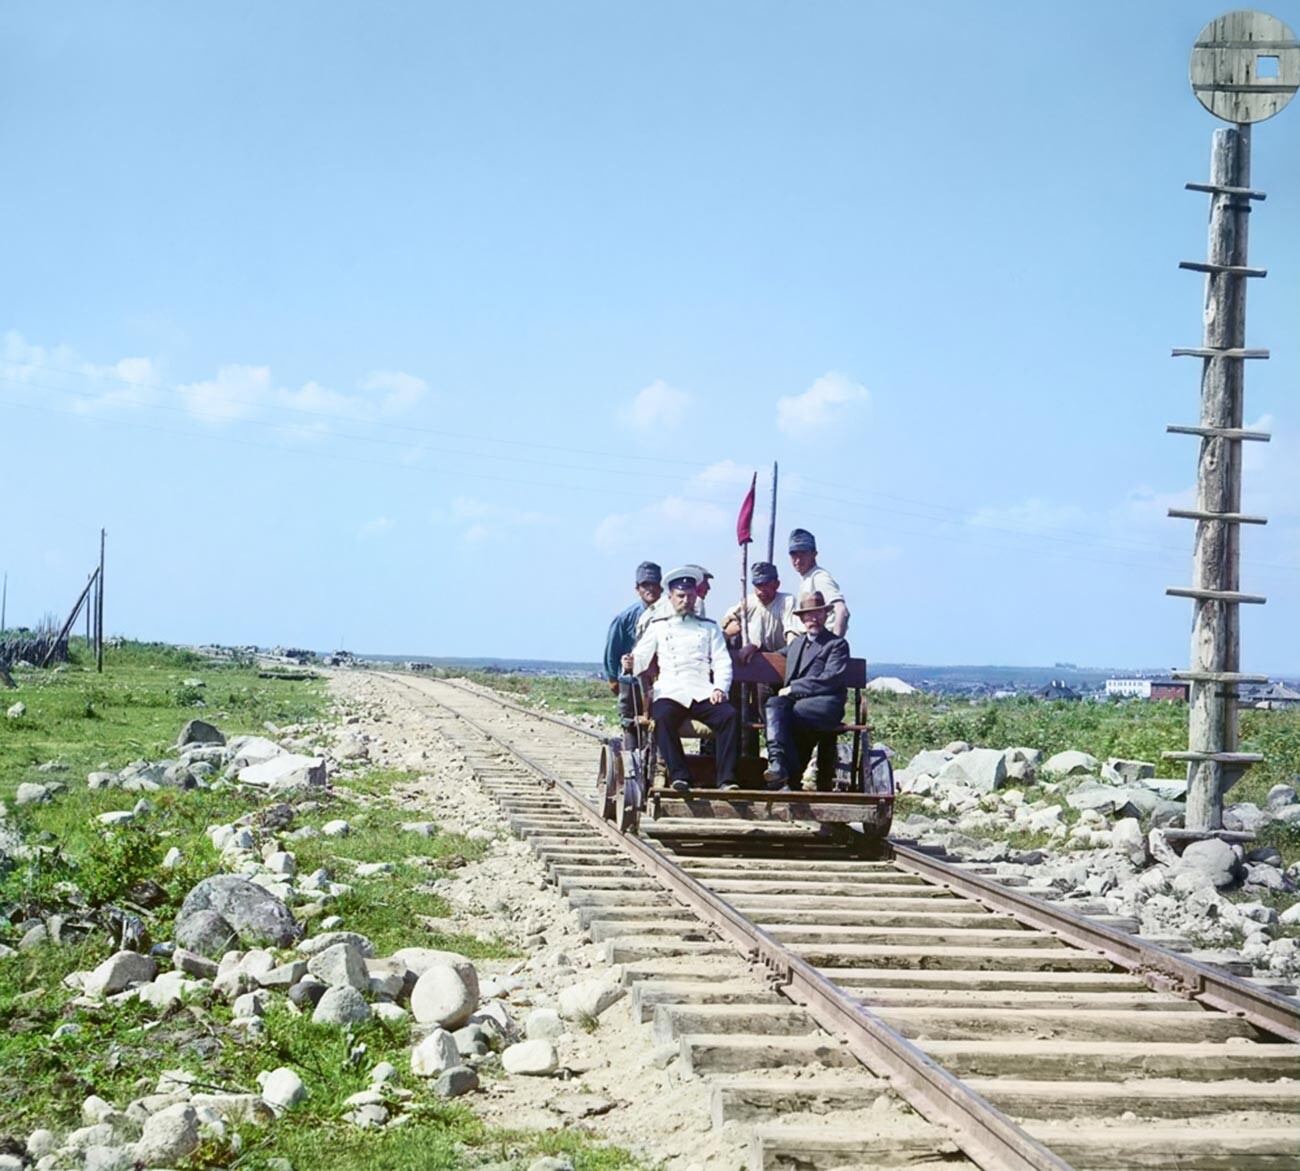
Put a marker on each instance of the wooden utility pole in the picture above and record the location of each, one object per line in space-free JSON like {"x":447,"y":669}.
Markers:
{"x":1245,"y":67}
{"x":771,"y":521}
{"x":99,"y":608}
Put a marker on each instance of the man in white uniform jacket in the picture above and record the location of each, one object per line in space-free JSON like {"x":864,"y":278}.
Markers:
{"x":694,"y":678}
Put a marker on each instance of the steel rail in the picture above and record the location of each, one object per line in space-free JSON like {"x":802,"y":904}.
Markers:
{"x":1161,"y":968}
{"x":986,"y":1135}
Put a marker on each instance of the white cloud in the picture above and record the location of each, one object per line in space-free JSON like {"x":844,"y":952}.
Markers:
{"x":812,"y":411}
{"x":662,"y":522}
{"x":725,"y":473}
{"x":400,"y":391}
{"x":377,"y":527}
{"x":656,"y":405}
{"x":129,"y":383}
{"x":237,"y":393}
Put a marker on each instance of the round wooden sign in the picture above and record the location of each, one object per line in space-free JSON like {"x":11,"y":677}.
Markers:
{"x":1245,"y":66}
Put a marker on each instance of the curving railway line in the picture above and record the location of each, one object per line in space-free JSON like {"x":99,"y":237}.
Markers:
{"x":810,"y":987}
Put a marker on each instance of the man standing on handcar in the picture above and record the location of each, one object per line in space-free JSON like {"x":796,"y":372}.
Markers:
{"x":812,"y":701}
{"x":694,"y":678}
{"x":622,"y":638}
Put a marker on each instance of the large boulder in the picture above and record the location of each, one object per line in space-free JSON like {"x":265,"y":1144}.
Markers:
{"x":588,"y":998}
{"x":1212,"y":859}
{"x":1104,"y":799}
{"x":534,"y":1058}
{"x":442,"y":996}
{"x":436,"y":1054}
{"x":285,"y":773}
{"x":258,"y":917}
{"x":341,"y":1006}
{"x":929,"y":761}
{"x":340,"y":966}
{"x":980,"y":768}
{"x":1069,"y":764}
{"x":200,"y":732}
{"x":246,"y":750}
{"x":206,"y":933}
{"x":418,"y":960}
{"x":1280,"y":796}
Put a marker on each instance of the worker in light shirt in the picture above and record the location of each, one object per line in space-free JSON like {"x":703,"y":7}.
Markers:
{"x":694,"y":678}
{"x":813,"y":579}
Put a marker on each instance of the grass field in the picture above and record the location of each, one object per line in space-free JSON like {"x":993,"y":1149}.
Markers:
{"x":91,"y":876}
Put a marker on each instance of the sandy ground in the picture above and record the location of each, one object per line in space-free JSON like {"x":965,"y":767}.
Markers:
{"x":613,"y":1084}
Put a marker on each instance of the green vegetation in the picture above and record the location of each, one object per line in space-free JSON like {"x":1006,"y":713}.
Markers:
{"x":101,"y":880}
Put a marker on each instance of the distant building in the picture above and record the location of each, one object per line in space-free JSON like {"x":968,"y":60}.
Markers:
{"x":1134,"y":688}
{"x":1277,"y":695}
{"x":1170,"y":690}
{"x":1057,"y":689}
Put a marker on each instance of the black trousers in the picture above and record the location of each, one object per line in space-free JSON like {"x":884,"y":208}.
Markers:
{"x":669,"y":715}
{"x":794,"y":729}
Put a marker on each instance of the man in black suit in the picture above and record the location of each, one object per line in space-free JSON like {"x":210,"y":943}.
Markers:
{"x":812,"y":700}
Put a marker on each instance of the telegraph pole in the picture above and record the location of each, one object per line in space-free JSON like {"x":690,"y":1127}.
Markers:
{"x":1245,"y":67}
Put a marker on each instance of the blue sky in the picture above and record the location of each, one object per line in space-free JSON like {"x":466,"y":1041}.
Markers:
{"x":419,"y":325}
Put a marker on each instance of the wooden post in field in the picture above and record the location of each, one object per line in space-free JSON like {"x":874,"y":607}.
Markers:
{"x":99,"y":609}
{"x":1245,"y":67}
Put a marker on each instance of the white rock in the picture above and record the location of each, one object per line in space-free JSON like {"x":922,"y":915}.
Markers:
{"x":386,"y":1010}
{"x":535,"y":1058}
{"x":337,"y":828}
{"x":435,"y":1054}
{"x":543,"y":1024}
{"x":285,"y":773}
{"x":282,"y":1089}
{"x":17,"y":711}
{"x":1127,"y":837}
{"x":251,"y":750}
{"x":340,"y":965}
{"x":980,"y":768}
{"x":341,"y":1006}
{"x":1069,"y":763}
{"x":169,"y":1136}
{"x":588,"y":998}
{"x":119,"y":972}
{"x":442,"y":996}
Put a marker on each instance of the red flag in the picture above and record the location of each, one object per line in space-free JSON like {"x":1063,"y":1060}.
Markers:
{"x":745,"y":521}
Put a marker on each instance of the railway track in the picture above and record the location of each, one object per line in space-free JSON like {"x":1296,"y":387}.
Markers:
{"x":814,"y":989}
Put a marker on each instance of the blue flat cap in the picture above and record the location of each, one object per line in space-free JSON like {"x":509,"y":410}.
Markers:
{"x":763,"y":571}
{"x":648,"y":573}
{"x":802,"y":541}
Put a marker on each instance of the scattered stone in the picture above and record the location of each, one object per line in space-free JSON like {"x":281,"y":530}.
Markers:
{"x":328,"y":939}
{"x":307,"y":993}
{"x":1280,"y":796}
{"x":454,"y":1082}
{"x":17,"y":711}
{"x":1213,"y":860}
{"x":200,"y":732}
{"x":442,"y":996}
{"x":33,"y":793}
{"x":543,"y":1024}
{"x":340,"y":965}
{"x":119,"y":972}
{"x":1069,"y":764}
{"x":282,"y":1089}
{"x":592,"y":997}
{"x":338,"y":828}
{"x":341,"y":1006}
{"x":533,"y":1058}
{"x":436,"y":1054}
{"x":169,"y":1136}
{"x":286,"y":773}
{"x":247,"y":750}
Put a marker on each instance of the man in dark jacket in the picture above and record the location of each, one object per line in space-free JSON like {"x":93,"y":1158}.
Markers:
{"x":812,"y":700}
{"x":622,"y":638}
